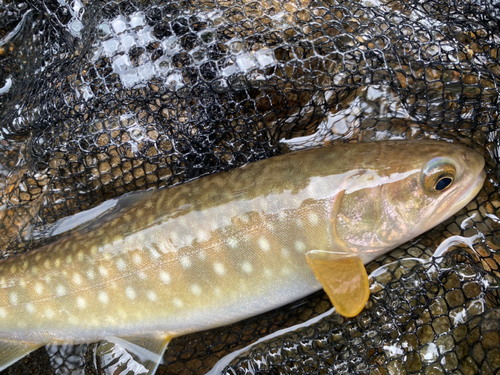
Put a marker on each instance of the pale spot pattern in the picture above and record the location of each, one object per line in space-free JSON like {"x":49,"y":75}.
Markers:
{"x":103,"y":297}
{"x":38,"y":288}
{"x":165,"y":277}
{"x":247,"y":267}
{"x":219,"y":269}
{"x":77,"y":279}
{"x":13,"y":298}
{"x":81,"y":303}
{"x":232,"y":243}
{"x":137,"y":259}
{"x":30,"y":308}
{"x":177,"y":302}
{"x":103,"y":271}
{"x":3,"y":313}
{"x":185,"y":262}
{"x":151,"y":296}
{"x":121,"y":264}
{"x":300,"y":246}
{"x":130,"y":292}
{"x":196,"y":289}
{"x":313,"y":218}
{"x":60,"y":290}
{"x":264,"y":244}
{"x":91,"y":274}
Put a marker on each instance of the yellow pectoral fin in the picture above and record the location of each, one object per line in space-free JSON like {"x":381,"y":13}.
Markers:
{"x":344,"y":280}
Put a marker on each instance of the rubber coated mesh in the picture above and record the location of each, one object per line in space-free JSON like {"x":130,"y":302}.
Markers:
{"x":99,"y":98}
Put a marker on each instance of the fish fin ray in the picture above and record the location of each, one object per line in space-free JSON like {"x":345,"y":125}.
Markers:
{"x":11,"y":352}
{"x":143,"y":355}
{"x":344,"y":279}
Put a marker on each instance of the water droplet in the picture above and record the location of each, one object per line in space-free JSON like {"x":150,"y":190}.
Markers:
{"x":137,"y":20}
{"x":127,"y":41}
{"x":119,"y":24}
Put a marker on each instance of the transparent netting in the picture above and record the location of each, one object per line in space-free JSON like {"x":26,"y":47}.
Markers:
{"x":101,"y":98}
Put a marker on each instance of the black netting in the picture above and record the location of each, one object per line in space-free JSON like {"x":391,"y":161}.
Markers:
{"x":99,"y":98}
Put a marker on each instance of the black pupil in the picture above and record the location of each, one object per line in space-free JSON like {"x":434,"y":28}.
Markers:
{"x":443,"y":183}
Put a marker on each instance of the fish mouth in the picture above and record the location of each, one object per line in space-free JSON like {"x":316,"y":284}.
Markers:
{"x":470,"y":193}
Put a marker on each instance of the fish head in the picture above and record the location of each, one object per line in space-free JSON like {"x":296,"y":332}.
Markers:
{"x":407,"y":189}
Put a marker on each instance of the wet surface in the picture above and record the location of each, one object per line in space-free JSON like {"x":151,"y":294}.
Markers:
{"x":97,"y":99}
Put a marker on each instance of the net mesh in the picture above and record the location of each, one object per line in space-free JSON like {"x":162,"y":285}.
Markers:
{"x":99,"y":98}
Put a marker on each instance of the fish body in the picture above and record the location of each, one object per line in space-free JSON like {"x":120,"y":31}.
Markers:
{"x":228,"y":246}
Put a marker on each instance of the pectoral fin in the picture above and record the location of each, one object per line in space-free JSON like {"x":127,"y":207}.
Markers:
{"x":11,"y":352}
{"x":344,"y":280}
{"x":139,"y":355}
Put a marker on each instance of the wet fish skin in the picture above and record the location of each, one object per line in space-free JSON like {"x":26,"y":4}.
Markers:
{"x":227,"y":246}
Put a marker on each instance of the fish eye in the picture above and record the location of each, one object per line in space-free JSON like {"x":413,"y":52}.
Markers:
{"x":439,"y":175}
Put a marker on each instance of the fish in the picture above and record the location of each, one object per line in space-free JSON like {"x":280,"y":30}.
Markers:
{"x":164,"y":263}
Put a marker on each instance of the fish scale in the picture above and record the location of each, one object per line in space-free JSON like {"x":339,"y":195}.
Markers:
{"x":232,"y":245}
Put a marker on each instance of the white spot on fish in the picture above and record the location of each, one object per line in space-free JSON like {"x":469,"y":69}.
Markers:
{"x":57,"y":263}
{"x":121,"y":264}
{"x":219,"y":269}
{"x":285,"y":253}
{"x":137,"y":259}
{"x":13,"y":298}
{"x":300,"y":246}
{"x":60,"y":290}
{"x":232,"y":243}
{"x":217,"y":291}
{"x":203,"y":235}
{"x":30,"y":308}
{"x":313,"y":218}
{"x":196,"y":289}
{"x":3,"y":313}
{"x":77,"y":279}
{"x":130,"y":292}
{"x":142,"y":275}
{"x":268,"y":272}
{"x":80,"y":255}
{"x":38,"y":288}
{"x":103,"y":271}
{"x":165,"y":277}
{"x":286,"y":270}
{"x":264,"y":244}
{"x":91,"y":274}
{"x":247,"y":267}
{"x":103,"y":297}
{"x":13,"y":269}
{"x":151,"y":295}
{"x":177,"y":302}
{"x":81,"y":303}
{"x":185,"y":262}
{"x":202,"y":255}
